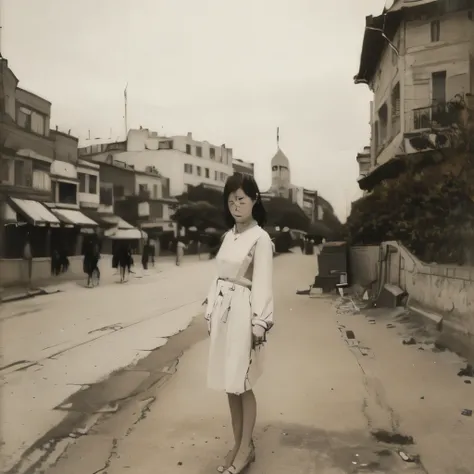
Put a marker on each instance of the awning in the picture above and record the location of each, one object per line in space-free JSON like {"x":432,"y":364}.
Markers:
{"x":128,"y":234}
{"x":34,"y":212}
{"x":73,"y":217}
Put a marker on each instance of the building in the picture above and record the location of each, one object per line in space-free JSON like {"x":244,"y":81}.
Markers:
{"x":37,"y":176}
{"x":281,"y":186}
{"x":418,"y":60}
{"x":141,"y":203}
{"x":241,"y":166}
{"x":182,"y":159}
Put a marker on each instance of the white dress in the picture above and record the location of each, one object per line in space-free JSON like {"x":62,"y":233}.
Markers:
{"x":241,"y":296}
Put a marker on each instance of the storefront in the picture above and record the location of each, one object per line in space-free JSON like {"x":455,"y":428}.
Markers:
{"x":27,"y":220}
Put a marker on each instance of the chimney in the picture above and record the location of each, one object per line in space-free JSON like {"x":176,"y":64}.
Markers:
{"x":190,"y":135}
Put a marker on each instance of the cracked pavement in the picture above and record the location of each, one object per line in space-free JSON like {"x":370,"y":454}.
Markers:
{"x":58,"y":351}
{"x":341,"y":394}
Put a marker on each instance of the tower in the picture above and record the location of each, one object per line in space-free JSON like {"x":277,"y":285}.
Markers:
{"x":281,"y":178}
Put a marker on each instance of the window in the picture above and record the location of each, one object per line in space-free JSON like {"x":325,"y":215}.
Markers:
{"x":37,"y":123}
{"x":165,"y":145}
{"x":395,"y":100}
{"x":438,"y":91}
{"x":198,"y":170}
{"x":155,"y":191}
{"x":188,"y":149}
{"x":67,"y":193}
{"x":435,"y":31}
{"x":23,"y":173}
{"x":5,"y":166}
{"x":207,"y":172}
{"x":143,"y":190}
{"x":188,"y":169}
{"x":82,"y":182}
{"x":212,"y":153}
{"x":92,"y":184}
{"x":216,"y":175}
{"x":199,"y":151}
{"x":383,"y":123}
{"x":24,"y":117}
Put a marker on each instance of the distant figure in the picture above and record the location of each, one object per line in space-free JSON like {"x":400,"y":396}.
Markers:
{"x":28,"y":257}
{"x":146,"y":255}
{"x":180,"y":246}
{"x":124,"y":258}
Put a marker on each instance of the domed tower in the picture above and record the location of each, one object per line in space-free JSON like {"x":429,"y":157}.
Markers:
{"x":281,"y":177}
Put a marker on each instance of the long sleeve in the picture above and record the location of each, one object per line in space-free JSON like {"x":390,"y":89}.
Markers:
{"x":262,"y":283}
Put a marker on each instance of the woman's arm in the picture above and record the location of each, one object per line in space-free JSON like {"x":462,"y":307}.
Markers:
{"x":262,"y":283}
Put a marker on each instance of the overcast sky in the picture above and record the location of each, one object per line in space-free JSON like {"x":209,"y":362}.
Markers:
{"x":229,"y":71}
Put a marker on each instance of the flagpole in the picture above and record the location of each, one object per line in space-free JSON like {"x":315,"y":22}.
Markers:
{"x":278,"y":137}
{"x":125,"y":116}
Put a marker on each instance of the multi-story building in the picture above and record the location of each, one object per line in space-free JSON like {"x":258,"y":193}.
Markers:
{"x":141,"y":201}
{"x":182,"y":159}
{"x":241,"y":166}
{"x":418,"y":60}
{"x":38,"y":183}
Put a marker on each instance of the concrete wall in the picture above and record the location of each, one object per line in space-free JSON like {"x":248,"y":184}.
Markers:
{"x":444,"y":290}
{"x":363,"y":262}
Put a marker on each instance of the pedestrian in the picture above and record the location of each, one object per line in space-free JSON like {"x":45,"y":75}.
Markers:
{"x":146,"y":255}
{"x":123,"y":260}
{"x":180,"y":246}
{"x":239,"y":313}
{"x":28,"y":257}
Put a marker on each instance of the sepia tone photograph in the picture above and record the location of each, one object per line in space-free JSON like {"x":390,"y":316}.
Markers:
{"x":236,"y":237}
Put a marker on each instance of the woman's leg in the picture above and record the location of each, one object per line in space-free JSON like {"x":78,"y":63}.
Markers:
{"x":249,"y":416}
{"x":236,"y":413}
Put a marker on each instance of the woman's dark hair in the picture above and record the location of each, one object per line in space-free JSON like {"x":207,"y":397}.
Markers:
{"x":249,"y":186}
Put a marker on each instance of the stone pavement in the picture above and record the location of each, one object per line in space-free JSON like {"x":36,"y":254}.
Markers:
{"x":331,"y":401}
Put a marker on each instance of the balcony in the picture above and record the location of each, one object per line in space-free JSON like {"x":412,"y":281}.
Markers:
{"x":440,"y":115}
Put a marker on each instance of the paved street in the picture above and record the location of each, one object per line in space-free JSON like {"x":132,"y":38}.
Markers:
{"x":55,"y":345}
{"x":330,"y":401}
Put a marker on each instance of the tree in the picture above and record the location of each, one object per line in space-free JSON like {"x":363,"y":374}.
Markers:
{"x":201,"y":215}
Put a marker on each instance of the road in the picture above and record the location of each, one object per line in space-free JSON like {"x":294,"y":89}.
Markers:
{"x":341,"y":392}
{"x":54,"y":345}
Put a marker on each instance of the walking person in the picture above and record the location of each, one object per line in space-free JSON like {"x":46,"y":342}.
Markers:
{"x":28,"y":257}
{"x":145,"y":255}
{"x":180,"y":246}
{"x":240,"y":313}
{"x":124,"y":261}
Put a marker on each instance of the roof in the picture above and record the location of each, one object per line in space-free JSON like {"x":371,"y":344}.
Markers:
{"x":378,"y":31}
{"x":280,"y":159}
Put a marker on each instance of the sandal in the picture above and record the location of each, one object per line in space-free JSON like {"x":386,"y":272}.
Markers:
{"x":228,"y":462}
{"x":250,"y":459}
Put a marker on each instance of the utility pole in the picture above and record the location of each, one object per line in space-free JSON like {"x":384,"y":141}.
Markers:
{"x":125,"y":116}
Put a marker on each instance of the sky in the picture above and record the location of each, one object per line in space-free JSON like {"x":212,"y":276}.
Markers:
{"x":230,"y":72}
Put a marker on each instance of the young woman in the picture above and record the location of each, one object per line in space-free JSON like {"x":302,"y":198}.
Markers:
{"x":240,"y":313}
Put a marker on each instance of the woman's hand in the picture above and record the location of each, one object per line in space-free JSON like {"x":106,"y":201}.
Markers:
{"x":258,"y":334}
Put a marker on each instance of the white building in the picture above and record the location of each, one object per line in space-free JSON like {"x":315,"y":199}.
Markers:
{"x":182,"y":159}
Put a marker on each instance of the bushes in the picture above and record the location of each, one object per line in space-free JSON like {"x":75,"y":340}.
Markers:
{"x":431,"y":212}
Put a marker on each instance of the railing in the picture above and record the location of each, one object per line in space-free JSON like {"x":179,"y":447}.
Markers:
{"x":436,"y":115}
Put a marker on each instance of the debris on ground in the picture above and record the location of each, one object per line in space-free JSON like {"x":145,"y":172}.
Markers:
{"x":409,"y":341}
{"x":371,"y":321}
{"x":303,"y":292}
{"x":390,"y":325}
{"x":468,"y":371}
{"x":466,"y":412}
{"x":406,"y":457}
{"x":347,"y":305}
{"x":467,"y":381}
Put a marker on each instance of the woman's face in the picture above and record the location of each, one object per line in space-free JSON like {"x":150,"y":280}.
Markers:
{"x":240,"y":206}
